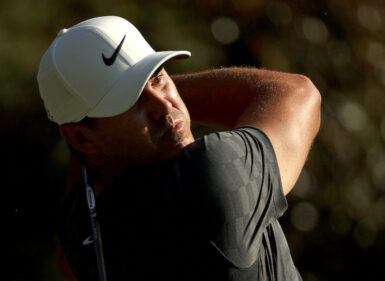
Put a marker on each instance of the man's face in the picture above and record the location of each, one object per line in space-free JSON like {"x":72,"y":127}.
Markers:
{"x":156,"y":128}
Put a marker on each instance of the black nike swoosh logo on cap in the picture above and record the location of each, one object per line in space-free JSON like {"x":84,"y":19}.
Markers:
{"x":109,"y":61}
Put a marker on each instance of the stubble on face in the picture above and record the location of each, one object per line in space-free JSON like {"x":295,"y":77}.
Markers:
{"x":168,"y":129}
{"x":170,"y":134}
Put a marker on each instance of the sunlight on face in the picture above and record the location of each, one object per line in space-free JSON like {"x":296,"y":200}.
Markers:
{"x":156,"y":128}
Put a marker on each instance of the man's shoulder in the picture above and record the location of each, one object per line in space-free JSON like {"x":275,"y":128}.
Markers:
{"x":235,"y":178}
{"x":241,"y":144}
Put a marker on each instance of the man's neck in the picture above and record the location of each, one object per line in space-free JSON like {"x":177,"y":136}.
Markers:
{"x":99,"y":177}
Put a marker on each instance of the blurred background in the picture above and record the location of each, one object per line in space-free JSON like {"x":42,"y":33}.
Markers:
{"x":335,"y":223}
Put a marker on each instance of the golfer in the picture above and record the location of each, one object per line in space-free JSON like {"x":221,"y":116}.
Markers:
{"x":148,"y":201}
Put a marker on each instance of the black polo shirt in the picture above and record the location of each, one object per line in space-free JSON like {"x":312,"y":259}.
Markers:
{"x":211,"y":214}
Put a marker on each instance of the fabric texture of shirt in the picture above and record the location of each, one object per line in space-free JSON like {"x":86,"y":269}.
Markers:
{"x":210,"y":214}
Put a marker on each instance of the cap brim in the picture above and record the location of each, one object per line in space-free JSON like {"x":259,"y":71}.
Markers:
{"x":129,"y":87}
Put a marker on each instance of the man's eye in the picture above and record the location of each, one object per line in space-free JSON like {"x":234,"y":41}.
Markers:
{"x":157,"y":79}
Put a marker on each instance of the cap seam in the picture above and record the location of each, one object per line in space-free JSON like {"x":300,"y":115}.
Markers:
{"x":60,"y":76}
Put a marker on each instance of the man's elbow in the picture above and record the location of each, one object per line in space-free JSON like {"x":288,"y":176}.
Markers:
{"x":309,"y":103}
{"x":307,"y":87}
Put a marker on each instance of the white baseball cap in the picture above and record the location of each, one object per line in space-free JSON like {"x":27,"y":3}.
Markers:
{"x":97,"y":68}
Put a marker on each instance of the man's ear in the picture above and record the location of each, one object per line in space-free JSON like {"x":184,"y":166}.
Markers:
{"x":80,"y":137}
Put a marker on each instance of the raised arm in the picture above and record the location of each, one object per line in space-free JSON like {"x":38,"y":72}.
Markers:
{"x":285,"y":106}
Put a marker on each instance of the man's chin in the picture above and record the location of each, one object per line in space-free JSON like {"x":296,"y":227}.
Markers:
{"x":171,"y":148}
{"x":176,"y":137}
{"x":174,"y":145}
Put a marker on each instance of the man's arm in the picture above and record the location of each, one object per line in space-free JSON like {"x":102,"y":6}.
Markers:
{"x":285,"y":106}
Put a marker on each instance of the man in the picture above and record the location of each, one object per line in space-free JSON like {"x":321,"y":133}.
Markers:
{"x":170,"y":207}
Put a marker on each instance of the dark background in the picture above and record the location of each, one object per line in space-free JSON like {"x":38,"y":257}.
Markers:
{"x":336,"y":219}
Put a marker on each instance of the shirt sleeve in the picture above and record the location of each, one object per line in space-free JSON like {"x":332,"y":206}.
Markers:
{"x":235,"y":191}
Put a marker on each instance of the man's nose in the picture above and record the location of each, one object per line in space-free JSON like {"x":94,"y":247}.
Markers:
{"x":157,"y":104}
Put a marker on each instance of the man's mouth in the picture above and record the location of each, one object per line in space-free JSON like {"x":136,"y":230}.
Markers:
{"x":173,"y":132}
{"x":169,"y":129}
